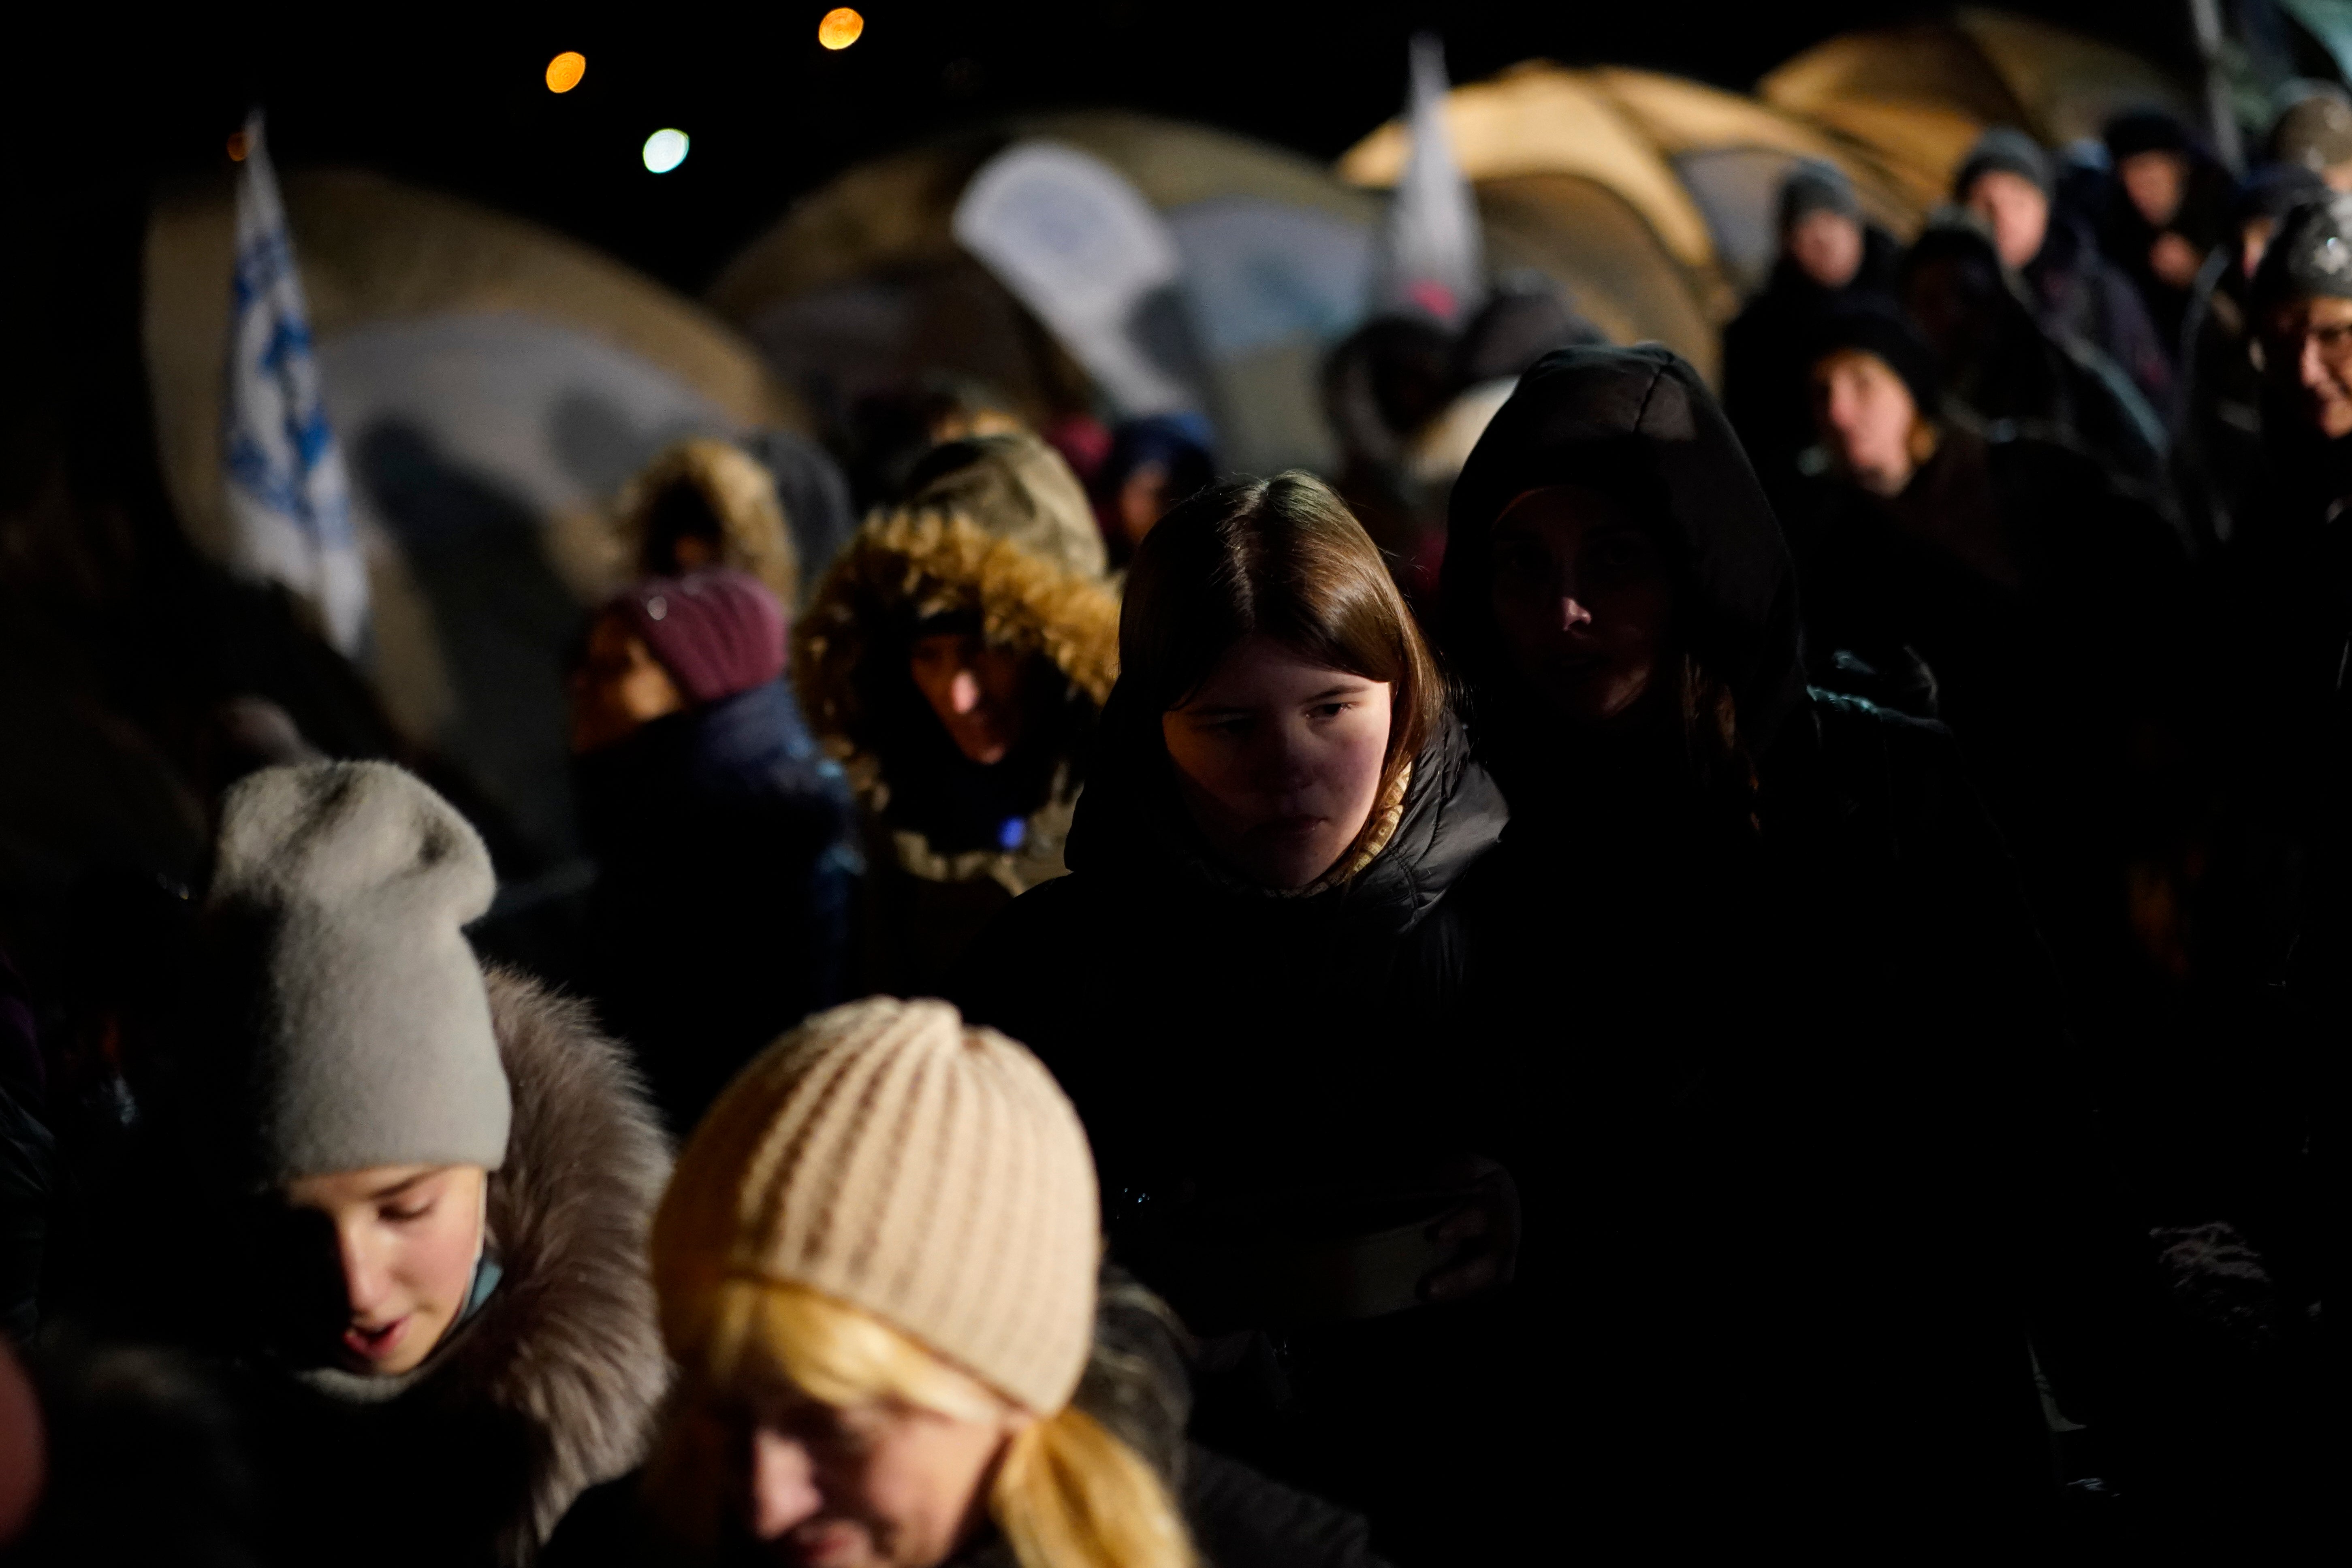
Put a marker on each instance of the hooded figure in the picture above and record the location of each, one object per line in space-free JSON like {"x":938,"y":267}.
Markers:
{"x":2001,"y":363}
{"x":724,"y":839}
{"x":2165,"y":214}
{"x":404,"y":1201}
{"x":1768,"y":1026}
{"x":954,"y":660}
{"x":1254,"y":1022}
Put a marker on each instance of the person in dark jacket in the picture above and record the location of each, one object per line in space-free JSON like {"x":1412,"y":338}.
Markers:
{"x":1829,"y":252}
{"x":2165,"y":215}
{"x":2217,"y":452}
{"x":855,"y":1394}
{"x":1769,"y":1027}
{"x":2076,"y":294}
{"x":724,"y":839}
{"x":1246,"y":983}
{"x":2000,"y":362}
{"x":2049,"y":602}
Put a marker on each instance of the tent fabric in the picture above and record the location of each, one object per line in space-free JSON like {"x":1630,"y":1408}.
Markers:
{"x":1917,"y":96}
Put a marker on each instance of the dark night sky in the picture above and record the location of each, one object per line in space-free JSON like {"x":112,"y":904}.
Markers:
{"x":447,"y":99}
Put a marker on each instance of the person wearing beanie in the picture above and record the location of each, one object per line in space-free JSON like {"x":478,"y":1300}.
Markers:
{"x":2315,"y":133}
{"x":2165,"y":213}
{"x":2218,"y":448}
{"x":879,"y":1269}
{"x":2000,"y":363}
{"x":1829,"y":254}
{"x":2040,"y":595}
{"x":2008,"y":182}
{"x":1751,"y":961}
{"x":953,"y":660}
{"x":409,"y":1194}
{"x":723,"y":838}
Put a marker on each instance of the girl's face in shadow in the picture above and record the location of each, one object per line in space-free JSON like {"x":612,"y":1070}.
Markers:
{"x":1279,"y":761}
{"x":1583,"y":599}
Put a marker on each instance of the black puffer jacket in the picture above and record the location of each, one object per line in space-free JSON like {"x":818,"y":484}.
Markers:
{"x":1272,"y":1085}
{"x":1781,"y":1071}
{"x":1219,"y":1039}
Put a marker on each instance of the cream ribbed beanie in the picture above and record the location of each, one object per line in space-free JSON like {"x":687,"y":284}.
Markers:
{"x":932,"y":1174}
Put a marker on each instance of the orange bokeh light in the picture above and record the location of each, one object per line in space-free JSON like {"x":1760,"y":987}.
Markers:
{"x":840,"y":29}
{"x":564,"y":72}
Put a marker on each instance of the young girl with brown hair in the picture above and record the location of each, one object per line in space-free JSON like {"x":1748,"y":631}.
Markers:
{"x":1245,"y":981}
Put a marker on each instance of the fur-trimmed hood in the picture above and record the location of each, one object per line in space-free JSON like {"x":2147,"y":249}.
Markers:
{"x":997,"y":529}
{"x":741,"y":496}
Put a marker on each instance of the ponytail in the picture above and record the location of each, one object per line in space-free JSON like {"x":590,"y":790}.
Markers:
{"x":1070,"y":1494}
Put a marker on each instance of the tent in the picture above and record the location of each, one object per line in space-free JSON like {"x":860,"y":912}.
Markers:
{"x":1917,"y":95}
{"x":1649,"y":196}
{"x":491,"y":385}
{"x":861,"y":287}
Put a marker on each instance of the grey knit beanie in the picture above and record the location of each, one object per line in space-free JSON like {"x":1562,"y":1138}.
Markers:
{"x":339,"y":890}
{"x":2009,"y":151}
{"x":1815,"y":185}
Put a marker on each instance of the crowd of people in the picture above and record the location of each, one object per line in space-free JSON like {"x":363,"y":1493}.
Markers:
{"x":1635,"y":968}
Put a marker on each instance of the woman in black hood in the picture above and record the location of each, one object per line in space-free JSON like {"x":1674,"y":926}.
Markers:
{"x":1773,"y":1044}
{"x":1245,"y":983}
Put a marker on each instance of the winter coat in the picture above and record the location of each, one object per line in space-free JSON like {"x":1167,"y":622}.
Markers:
{"x":725,"y":851}
{"x":1270,"y":1085}
{"x":2079,"y":296}
{"x":547,"y":1386}
{"x":2050,"y":603}
{"x":1804,"y":1165}
{"x":998,"y":535}
{"x":1767,"y":390}
{"x":1134,"y":1384}
{"x":2005,"y":363}
{"x":2217,"y":454}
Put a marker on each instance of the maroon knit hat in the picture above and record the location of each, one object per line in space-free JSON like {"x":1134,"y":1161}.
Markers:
{"x":716,"y":632}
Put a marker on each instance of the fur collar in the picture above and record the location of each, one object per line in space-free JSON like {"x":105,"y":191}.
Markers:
{"x":565,"y":1349}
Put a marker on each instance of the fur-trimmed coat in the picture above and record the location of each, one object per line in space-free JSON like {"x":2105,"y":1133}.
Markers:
{"x":547,"y":1387}
{"x":996,"y":534}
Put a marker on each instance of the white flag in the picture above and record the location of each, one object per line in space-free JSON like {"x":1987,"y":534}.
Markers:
{"x":1080,"y":246}
{"x":1431,"y":254}
{"x":288,"y":499}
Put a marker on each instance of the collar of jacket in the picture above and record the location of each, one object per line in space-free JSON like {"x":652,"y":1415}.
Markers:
{"x":1129,"y":825}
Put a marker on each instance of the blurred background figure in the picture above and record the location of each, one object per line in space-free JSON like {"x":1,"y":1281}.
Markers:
{"x":2166,"y":213}
{"x":2218,"y":443}
{"x":723,"y":836}
{"x":954,"y":660}
{"x":2046,"y":600}
{"x":1150,"y":464}
{"x":2315,"y":132}
{"x":704,"y":503}
{"x":1829,"y":253}
{"x":2008,"y":182}
{"x":1998,"y":363}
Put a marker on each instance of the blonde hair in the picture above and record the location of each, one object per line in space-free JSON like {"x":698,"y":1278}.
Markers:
{"x":1067,"y":1492}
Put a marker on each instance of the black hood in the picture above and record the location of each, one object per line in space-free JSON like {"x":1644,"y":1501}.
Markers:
{"x":1640,"y":424}
{"x":1130,"y":824}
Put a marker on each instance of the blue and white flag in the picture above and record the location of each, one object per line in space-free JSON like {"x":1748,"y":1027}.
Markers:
{"x":1431,"y":253}
{"x":288,"y":498}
